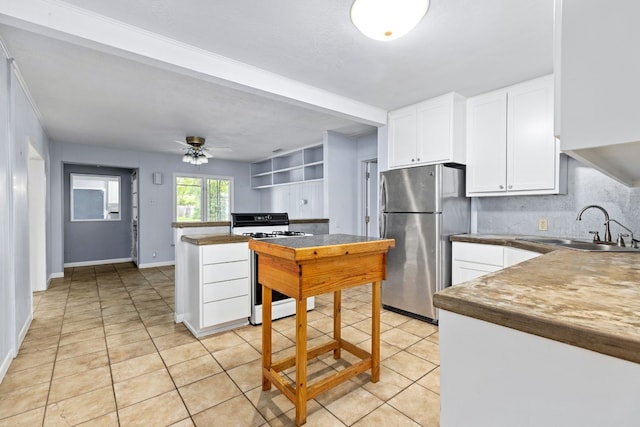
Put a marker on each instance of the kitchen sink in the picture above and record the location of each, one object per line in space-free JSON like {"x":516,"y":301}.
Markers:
{"x":580,"y":245}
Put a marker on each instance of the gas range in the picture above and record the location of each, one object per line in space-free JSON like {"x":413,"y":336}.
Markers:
{"x":266,"y":226}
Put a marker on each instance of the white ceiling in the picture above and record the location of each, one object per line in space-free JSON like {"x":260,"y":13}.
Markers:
{"x":282,"y":71}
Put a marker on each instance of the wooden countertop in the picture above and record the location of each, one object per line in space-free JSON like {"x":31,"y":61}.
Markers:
{"x":320,"y":246}
{"x":586,"y":299}
{"x":214,"y":239}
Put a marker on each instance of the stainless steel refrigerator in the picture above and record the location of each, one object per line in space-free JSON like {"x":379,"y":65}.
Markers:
{"x":420,"y":208}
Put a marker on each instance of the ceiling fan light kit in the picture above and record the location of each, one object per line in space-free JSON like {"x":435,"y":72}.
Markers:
{"x":195,"y":154}
{"x":387,"y":20}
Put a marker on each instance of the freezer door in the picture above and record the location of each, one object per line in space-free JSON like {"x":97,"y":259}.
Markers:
{"x":413,"y":266}
{"x":410,"y":190}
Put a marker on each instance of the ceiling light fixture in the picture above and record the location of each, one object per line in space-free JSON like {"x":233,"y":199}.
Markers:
{"x":387,"y":20}
{"x":195,"y":154}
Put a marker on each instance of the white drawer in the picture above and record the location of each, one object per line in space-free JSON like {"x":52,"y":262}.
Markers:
{"x":463,"y":271}
{"x":227,"y":271}
{"x":214,"y":313}
{"x":224,"y":290}
{"x":478,"y":253}
{"x":226,"y":252}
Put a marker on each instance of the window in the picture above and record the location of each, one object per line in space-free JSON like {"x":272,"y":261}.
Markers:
{"x":201,"y":198}
{"x":95,"y":197}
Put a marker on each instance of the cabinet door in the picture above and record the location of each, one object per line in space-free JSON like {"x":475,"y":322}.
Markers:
{"x":434,"y":131}
{"x":513,"y":256}
{"x":487,"y":143}
{"x":402,"y":137}
{"x":531,"y":145}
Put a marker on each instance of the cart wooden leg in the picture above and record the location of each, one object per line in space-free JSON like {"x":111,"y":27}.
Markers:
{"x":266,"y":335}
{"x":301,"y":361}
{"x":337,"y":320}
{"x":375,"y":332}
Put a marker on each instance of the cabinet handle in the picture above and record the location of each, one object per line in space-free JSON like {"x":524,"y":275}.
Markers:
{"x":502,"y":187}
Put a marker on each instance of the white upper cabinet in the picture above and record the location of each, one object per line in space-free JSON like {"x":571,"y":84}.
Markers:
{"x":511,"y":149}
{"x":430,"y":132}
{"x":597,"y":67}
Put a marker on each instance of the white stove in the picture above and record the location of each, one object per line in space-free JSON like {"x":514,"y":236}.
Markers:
{"x":266,"y":226}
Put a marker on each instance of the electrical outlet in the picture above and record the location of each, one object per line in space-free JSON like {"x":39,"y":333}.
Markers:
{"x":543,"y":224}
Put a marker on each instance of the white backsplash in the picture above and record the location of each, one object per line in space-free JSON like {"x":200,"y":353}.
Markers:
{"x":586,"y":186}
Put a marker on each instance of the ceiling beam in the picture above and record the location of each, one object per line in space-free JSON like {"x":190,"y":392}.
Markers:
{"x":67,"y":22}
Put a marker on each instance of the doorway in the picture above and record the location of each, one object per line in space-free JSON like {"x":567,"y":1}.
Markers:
{"x":369,"y":219}
{"x":37,"y":184}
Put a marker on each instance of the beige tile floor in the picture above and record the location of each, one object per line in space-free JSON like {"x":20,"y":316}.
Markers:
{"x":103,"y":350}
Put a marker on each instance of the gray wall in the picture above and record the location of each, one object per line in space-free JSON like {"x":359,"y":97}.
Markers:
{"x":97,"y":240}
{"x":586,"y":186}
{"x":156,"y":212}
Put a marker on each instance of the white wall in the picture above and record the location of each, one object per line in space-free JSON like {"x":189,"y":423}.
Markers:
{"x":341,"y":183}
{"x":19,"y":127}
{"x":156,"y":212}
{"x":291,"y":198}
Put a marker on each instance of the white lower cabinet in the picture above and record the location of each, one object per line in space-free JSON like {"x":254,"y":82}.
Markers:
{"x":472,"y":260}
{"x":218,"y":287}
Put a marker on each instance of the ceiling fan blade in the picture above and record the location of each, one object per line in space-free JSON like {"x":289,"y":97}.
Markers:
{"x":207,"y":154}
{"x":182,"y":143}
{"x":217,"y":149}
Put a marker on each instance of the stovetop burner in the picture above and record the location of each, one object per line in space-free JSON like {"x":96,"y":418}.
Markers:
{"x":258,"y":235}
{"x":289,"y":233}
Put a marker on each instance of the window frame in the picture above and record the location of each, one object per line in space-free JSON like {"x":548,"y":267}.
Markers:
{"x":107,"y":178}
{"x":204,"y":212}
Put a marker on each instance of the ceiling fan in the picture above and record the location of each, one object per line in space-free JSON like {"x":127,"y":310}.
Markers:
{"x":197,"y":153}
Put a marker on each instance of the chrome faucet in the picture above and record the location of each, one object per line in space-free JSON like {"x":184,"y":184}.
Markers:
{"x":634,"y":242}
{"x":607,"y":230}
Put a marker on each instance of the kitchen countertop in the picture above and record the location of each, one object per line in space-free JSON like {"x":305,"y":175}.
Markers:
{"x":228,"y":223}
{"x":201,"y":224}
{"x":586,"y":299}
{"x":214,"y":239}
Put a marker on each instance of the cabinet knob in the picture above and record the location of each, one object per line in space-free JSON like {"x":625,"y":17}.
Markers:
{"x":418,"y":159}
{"x":510,"y":187}
{"x":502,"y":187}
{"x":413,"y":160}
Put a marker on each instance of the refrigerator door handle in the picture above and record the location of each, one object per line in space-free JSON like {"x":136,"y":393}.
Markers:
{"x":383,"y":207}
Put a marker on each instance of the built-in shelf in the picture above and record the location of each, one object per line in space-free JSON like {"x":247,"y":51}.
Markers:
{"x":302,"y":165}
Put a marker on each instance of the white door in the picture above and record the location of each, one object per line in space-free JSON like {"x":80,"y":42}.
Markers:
{"x":370,"y":202}
{"x":487,"y":143}
{"x":434,"y":131}
{"x":134,"y":217}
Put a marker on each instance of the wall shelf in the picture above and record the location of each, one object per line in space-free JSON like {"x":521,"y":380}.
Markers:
{"x":302,"y":165}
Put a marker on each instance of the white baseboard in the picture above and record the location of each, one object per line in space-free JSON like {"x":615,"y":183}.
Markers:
{"x":179,"y":318}
{"x":23,"y":331}
{"x":54,"y":276}
{"x":6,"y":362}
{"x":156,"y":264}
{"x":96,"y":262}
